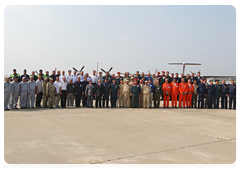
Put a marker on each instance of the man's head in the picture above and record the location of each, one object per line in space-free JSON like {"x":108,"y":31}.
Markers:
{"x":47,"y":72}
{"x":205,"y":80}
{"x":195,"y":82}
{"x":69,"y":72}
{"x":146,"y":82}
{"x":182,"y":75}
{"x":74,"y":72}
{"x":24,"y":71}
{"x":106,"y":80}
{"x":63,"y":73}
{"x":90,"y":81}
{"x":16,"y":79}
{"x":163,"y":73}
{"x":153,"y":75}
{"x":135,"y":81}
{"x":198,"y":74}
{"x":126,"y":82}
{"x":57,"y":78}
{"x":107,"y":73}
{"x":128,"y":74}
{"x":172,"y":75}
{"x":174,"y":80}
{"x":100,"y":73}
{"x":125,"y":74}
{"x":192,"y":74}
{"x":64,"y":79}
{"x":166,"y":80}
{"x":86,"y":75}
{"x":149,"y":81}
{"x":189,"y":81}
{"x":211,"y":82}
{"x":142,"y":74}
{"x":7,"y":79}
{"x":45,"y":79}
{"x":31,"y":78}
{"x":14,"y":71}
{"x":167,"y":73}
{"x":183,"y":80}
{"x":81,"y":73}
{"x":78,"y":79}
{"x":232,"y":82}
{"x":51,"y":80}
{"x":33,"y":73}
{"x":158,"y":72}
{"x":187,"y":76}
{"x":39,"y":77}
{"x":148,"y":74}
{"x":141,"y":81}
{"x":40,"y":71}
{"x":157,"y":82}
{"x":70,"y":81}
{"x":201,"y":81}
{"x":118,"y":73}
{"x":176,"y":75}
{"x":53,"y":72}
{"x":99,"y":81}
{"x":121,"y":81}
{"x":24,"y":79}
{"x":217,"y":82}
{"x":85,"y":78}
{"x":58,"y":72}
{"x":113,"y":75}
{"x":94,"y":72}
{"x":132,"y":79}
{"x":114,"y":81}
{"x":223,"y":81}
{"x":137,"y":73}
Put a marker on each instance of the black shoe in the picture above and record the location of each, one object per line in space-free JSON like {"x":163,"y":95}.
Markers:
{"x":172,"y":106}
{"x":33,"y":107}
{"x":21,"y":107}
{"x":176,"y":107}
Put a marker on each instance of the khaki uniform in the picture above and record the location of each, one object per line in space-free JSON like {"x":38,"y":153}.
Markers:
{"x":154,"y":81}
{"x":44,"y":85}
{"x":50,"y":90}
{"x":140,"y":105}
{"x":126,"y":93}
{"x":131,"y":99}
{"x":120,"y":99}
{"x":146,"y":94}
{"x":125,"y":79}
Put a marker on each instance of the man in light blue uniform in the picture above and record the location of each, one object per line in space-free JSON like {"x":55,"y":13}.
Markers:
{"x":15,"y":93}
{"x":31,"y":92}
{"x":7,"y":92}
{"x":23,"y":93}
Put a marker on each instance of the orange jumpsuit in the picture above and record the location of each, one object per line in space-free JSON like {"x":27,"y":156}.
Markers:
{"x":166,"y":87}
{"x":175,"y":91}
{"x":183,"y":87}
{"x":189,"y":96}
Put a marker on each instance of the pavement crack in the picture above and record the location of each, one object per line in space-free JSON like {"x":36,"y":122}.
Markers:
{"x":166,"y":150}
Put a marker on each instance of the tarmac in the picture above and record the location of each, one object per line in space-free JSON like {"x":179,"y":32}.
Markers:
{"x":120,"y":136}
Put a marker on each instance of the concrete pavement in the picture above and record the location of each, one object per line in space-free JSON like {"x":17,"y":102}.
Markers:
{"x":120,"y":136}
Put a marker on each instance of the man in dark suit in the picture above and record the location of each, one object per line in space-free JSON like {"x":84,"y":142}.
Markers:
{"x":99,"y":92}
{"x":198,"y":78}
{"x":84,"y":98}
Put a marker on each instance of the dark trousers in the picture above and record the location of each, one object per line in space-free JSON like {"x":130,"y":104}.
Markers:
{"x":194,"y":101}
{"x":216,"y":101}
{"x":201,"y":99}
{"x":105,"y":99}
{"x":135,"y":100}
{"x":156,"y":100}
{"x":84,"y":101}
{"x":39,"y":99}
{"x":98,"y":101}
{"x":78,"y":99}
{"x":113,"y":101}
{"x":63,"y":98}
{"x":223,"y":101}
{"x":210,"y":100}
{"x":232,"y":98}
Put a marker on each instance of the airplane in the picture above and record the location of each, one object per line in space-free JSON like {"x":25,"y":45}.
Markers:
{"x":184,"y":64}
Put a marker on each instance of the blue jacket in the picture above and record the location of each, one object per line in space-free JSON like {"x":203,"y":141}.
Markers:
{"x":201,"y":89}
{"x":210,"y":89}
{"x":224,"y":89}
{"x":232,"y":89}
{"x":152,"y":87}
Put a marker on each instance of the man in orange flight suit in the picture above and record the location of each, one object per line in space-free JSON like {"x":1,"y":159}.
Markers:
{"x":189,"y":93}
{"x":183,"y":88}
{"x":175,"y":92}
{"x":166,"y":87}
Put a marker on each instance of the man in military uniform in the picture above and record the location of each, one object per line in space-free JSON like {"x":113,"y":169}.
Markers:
{"x":210,"y":92}
{"x":120,"y":99}
{"x":79,"y":89}
{"x":140,"y":105}
{"x":146,"y":95}
{"x":31,"y":92}
{"x":198,"y":78}
{"x":15,"y":93}
{"x":50,"y":92}
{"x":84,"y":85}
{"x":23,"y":93}
{"x":157,"y":92}
{"x":202,"y":92}
{"x":126,"y":94}
{"x":125,"y":78}
{"x":107,"y":76}
{"x":172,"y":77}
{"x":25,"y":75}
{"x":130,"y":84}
{"x":15,"y":75}
{"x":135,"y":93}
{"x":53,"y":76}
{"x":118,"y":78}
{"x":7,"y":92}
{"x":47,"y":75}
{"x":206,"y":97}
{"x":106,"y":90}
{"x":114,"y":92}
{"x":217,"y":94}
{"x":154,"y":79}
{"x":224,"y":94}
{"x":41,"y":74}
{"x":232,"y":95}
{"x":44,"y":85}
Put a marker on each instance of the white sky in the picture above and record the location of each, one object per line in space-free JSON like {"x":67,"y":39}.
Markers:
{"x":129,"y":38}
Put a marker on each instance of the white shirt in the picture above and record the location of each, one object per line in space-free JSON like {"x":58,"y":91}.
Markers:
{"x":69,"y":77}
{"x":81,"y":78}
{"x":63,"y":85}
{"x":94,"y":79}
{"x":61,"y":78}
{"x":74,"y":78}
{"x":56,"y":85}
{"x":89,"y":78}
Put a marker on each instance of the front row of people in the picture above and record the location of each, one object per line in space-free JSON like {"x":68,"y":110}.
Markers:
{"x":129,"y":94}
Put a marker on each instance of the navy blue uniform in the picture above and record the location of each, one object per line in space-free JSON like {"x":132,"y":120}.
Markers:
{"x":79,"y":89}
{"x":232,"y":96}
{"x":198,"y":79}
{"x":178,"y":80}
{"x":217,"y":96}
{"x":224,"y":92}
{"x":201,"y":91}
{"x":114,"y":91}
{"x":84,"y":98}
{"x":192,"y":79}
{"x":210,"y":95}
{"x":53,"y":77}
{"x":106,"y":94}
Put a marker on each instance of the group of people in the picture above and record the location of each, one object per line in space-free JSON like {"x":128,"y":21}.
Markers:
{"x":135,"y":91}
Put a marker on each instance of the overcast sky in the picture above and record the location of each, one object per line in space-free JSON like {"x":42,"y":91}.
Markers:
{"x":129,"y":38}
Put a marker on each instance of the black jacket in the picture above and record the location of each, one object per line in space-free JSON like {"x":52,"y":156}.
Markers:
{"x":84,"y":85}
{"x":99,"y":91}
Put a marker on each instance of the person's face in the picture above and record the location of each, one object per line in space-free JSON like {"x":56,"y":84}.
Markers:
{"x":181,"y":75}
{"x":45,"y":80}
{"x":127,"y":73}
{"x":157,"y":82}
{"x":24,"y":72}
{"x":90,"y":82}
{"x":176,"y":75}
{"x":187,"y":75}
{"x":47,"y":72}
{"x":99,"y":81}
{"x":114,"y":81}
{"x":14,"y":72}
{"x":107,"y":73}
{"x":24,"y":80}
{"x":16,"y":79}
{"x":211,"y":82}
{"x":33,"y":72}
{"x":167,"y":73}
{"x":64,"y":78}
{"x":53,"y":72}
{"x":217,"y":82}
{"x":81,"y":73}
{"x":63,"y":72}
{"x":137,"y":73}
{"x":163,"y":73}
{"x":201,"y":81}
{"x":135,"y":81}
{"x":195,"y":82}
{"x":198,"y":74}
{"x":118,"y":74}
{"x":172,"y":75}
{"x":100,"y":74}
{"x":121,"y":82}
{"x":113,"y":75}
{"x":174,"y":80}
{"x":142,"y":74}
{"x":69,"y":72}
{"x":78,"y":79}
{"x":57,"y":78}
{"x":58,"y":72}
{"x":106,"y":81}
{"x":189,"y":81}
{"x":192,"y":75}
{"x":74,"y":72}
{"x":183,"y":80}
{"x":70,"y":81}
{"x":7,"y":79}
{"x":40,"y":72}
{"x":31,"y":79}
{"x":86,"y":74}
{"x":94,"y":72}
{"x":153,"y":75}
{"x":149,"y":81}
{"x":51,"y":81}
{"x":148,"y":74}
{"x":232,"y":82}
{"x":85,"y":78}
{"x":166,"y":80}
{"x":39,"y":78}
{"x":223,"y":82}
{"x":146,"y":83}
{"x":126,"y":82}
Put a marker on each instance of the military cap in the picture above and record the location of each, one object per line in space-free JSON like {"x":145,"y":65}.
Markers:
{"x":126,"y":80}
{"x":14,"y":70}
{"x":24,"y":70}
{"x":40,"y":70}
{"x":118,"y":73}
{"x":163,"y":71}
{"x":50,"y":78}
{"x":45,"y":78}
{"x":132,"y":75}
{"x":158,"y":71}
{"x":136,"y":79}
{"x":210,"y":80}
